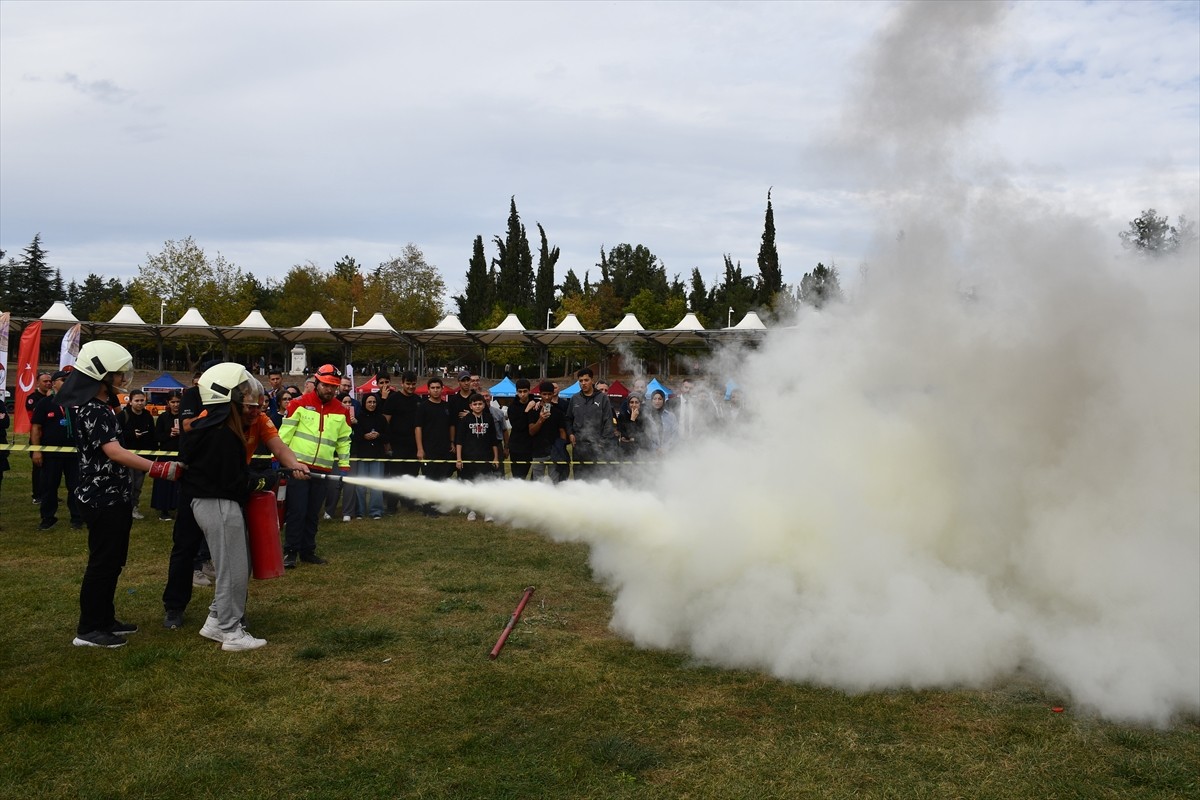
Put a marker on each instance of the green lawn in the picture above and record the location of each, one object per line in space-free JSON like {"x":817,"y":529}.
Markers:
{"x":377,"y":683}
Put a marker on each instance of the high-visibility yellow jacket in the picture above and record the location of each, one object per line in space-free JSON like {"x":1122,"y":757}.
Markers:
{"x":318,"y":433}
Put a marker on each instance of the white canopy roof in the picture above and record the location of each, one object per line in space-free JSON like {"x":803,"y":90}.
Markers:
{"x":127,"y":316}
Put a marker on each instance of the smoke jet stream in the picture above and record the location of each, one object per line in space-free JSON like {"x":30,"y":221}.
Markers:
{"x":987,"y":462}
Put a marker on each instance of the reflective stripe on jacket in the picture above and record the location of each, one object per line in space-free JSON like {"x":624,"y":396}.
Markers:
{"x":320,"y":439}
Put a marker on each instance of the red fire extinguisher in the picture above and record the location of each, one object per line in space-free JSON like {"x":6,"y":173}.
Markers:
{"x":262,"y":523}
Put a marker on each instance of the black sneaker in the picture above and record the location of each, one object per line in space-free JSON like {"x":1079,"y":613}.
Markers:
{"x":47,"y":524}
{"x":311,"y":558}
{"x":123,"y":628}
{"x":289,"y":559}
{"x":37,"y":501}
{"x":173,"y":620}
{"x":77,"y":524}
{"x":98,"y":639}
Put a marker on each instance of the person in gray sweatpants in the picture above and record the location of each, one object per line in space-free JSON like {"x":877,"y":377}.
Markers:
{"x":219,"y":483}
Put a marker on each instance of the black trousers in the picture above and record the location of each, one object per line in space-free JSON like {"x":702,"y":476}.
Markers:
{"x":408,"y":465}
{"x":189,"y":550}
{"x":108,"y":548}
{"x":520,"y":463}
{"x":54,"y":469}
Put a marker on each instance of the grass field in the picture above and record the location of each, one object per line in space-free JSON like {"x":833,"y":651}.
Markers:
{"x":376,"y":683}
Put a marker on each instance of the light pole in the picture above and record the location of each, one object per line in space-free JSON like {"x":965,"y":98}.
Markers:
{"x":548,"y":312}
{"x":353,"y":311}
{"x":729,"y":323}
{"x":162,"y":310}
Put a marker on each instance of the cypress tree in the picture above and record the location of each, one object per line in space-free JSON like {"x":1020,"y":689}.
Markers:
{"x":544,"y":290}
{"x":475,"y":303}
{"x":514,"y":289}
{"x":770,"y":276}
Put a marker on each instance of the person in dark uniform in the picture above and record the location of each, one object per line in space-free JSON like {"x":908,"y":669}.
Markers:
{"x":50,"y":427}
{"x":400,"y":409}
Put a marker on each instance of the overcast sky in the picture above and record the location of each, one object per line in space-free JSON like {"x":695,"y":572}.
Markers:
{"x":279,"y":133}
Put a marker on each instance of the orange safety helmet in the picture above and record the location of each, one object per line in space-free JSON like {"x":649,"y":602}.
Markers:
{"x":328,"y":373}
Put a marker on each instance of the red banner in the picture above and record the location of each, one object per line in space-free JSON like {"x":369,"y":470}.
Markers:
{"x":27,"y":371}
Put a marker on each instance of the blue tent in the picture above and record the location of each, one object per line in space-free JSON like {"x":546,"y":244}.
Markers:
{"x":654,"y":384}
{"x":570,"y":391}
{"x":163,"y":383}
{"x":505,"y":388}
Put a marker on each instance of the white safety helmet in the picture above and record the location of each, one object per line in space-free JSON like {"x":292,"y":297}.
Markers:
{"x":99,"y":359}
{"x":226,"y":383}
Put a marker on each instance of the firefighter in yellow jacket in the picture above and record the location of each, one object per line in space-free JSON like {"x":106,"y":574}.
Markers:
{"x":317,"y":429}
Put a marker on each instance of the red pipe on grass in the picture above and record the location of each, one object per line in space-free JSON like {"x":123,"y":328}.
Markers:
{"x":512,"y":622}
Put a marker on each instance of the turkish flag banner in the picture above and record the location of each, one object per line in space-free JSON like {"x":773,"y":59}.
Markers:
{"x":27,"y":368}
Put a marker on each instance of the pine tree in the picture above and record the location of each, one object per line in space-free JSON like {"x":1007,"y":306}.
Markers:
{"x":475,"y":303}
{"x":544,"y":290}
{"x":571,"y":285}
{"x":770,"y":276}
{"x":34,"y":279}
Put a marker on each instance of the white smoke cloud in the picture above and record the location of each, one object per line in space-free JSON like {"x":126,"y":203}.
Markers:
{"x":988,"y":462}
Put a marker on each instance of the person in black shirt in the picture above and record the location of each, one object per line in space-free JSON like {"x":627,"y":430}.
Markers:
{"x":523,"y":411}
{"x":219,"y":483}
{"x":367,"y":449}
{"x":547,"y":433}
{"x":104,"y":494}
{"x":41,"y":391}
{"x":164,"y":498}
{"x":476,"y":448}
{"x":137,"y":426}
{"x":3,"y":440}
{"x":49,"y":426}
{"x":401,"y":412}
{"x":435,"y":447}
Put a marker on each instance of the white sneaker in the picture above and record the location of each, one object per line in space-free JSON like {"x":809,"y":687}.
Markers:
{"x":137,"y":514}
{"x":489,"y":518}
{"x":212,"y":631}
{"x":200,"y":579}
{"x":471,"y":516}
{"x":241,"y":640}
{"x":327,"y":515}
{"x":346,"y":518}
{"x":209,"y":569}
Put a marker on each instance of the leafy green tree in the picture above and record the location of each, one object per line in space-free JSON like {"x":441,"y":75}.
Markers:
{"x":475,"y":302}
{"x":407,"y":289}
{"x":770,"y":276}
{"x":1152,"y":235}
{"x":629,"y":269}
{"x":821,"y":286}
{"x":655,"y":314}
{"x":543,"y":296}
{"x":301,"y":293}
{"x":182,"y":275}
{"x":736,"y":291}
